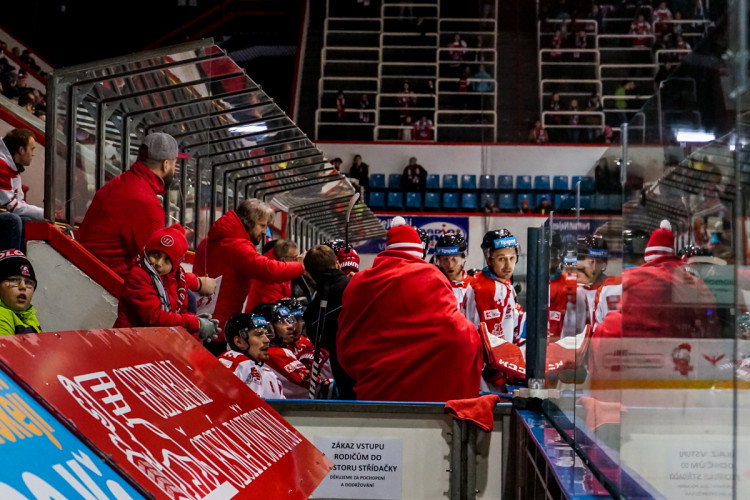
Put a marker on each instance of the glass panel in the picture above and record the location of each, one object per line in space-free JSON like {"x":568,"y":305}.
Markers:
{"x":240,"y":142}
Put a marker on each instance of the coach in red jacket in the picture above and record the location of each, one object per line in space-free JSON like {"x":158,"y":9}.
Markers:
{"x":229,"y":250}
{"x":126,"y":211}
{"x":401,"y":336}
{"x":262,"y":291}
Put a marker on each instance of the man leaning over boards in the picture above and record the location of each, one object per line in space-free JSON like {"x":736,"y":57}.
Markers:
{"x":230,"y":250}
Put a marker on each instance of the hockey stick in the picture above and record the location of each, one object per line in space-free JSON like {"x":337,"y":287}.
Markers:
{"x":315,"y":372}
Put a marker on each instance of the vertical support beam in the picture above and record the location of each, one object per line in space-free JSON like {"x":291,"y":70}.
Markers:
{"x":537,"y":299}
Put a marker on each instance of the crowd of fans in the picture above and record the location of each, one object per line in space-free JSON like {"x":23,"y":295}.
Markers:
{"x":14,"y":80}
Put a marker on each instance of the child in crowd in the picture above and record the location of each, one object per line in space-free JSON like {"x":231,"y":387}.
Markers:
{"x":247,"y":339}
{"x":291,"y":355}
{"x":17,"y":285}
{"x":156,"y":289}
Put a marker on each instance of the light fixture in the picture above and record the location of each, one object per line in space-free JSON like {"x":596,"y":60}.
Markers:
{"x":695,"y":136}
{"x":248,"y":129}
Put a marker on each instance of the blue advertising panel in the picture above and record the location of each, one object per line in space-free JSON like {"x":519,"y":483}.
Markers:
{"x":434,"y":225}
{"x":40,"y":458}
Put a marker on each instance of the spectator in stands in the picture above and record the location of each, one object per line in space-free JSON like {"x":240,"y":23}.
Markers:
{"x":524,"y":207}
{"x":247,"y":339}
{"x":555,"y":56}
{"x":261,"y":291}
{"x":406,"y":132}
{"x":17,"y":285}
{"x":364,"y":107}
{"x":126,"y":211}
{"x":626,"y":88}
{"x":229,"y":250}
{"x":155,"y":292}
{"x":462,"y":89}
{"x":360,"y":172}
{"x":340,"y":105}
{"x":9,"y":83}
{"x":544,"y":206}
{"x":423,"y":129}
{"x":16,"y":154}
{"x":322,"y":264}
{"x":456,"y":54}
{"x":594,"y":105}
{"x":26,"y":58}
{"x":597,"y":15}
{"x":574,"y":120}
{"x":27,"y":100}
{"x":662,"y":18}
{"x":414,"y":177}
{"x":538,"y":134}
{"x":336,"y":162}
{"x":642,"y":28}
{"x":482,"y":81}
{"x":677,"y":26}
{"x":681,"y":44}
{"x":406,"y":100}
{"x":608,"y":135}
{"x":401,"y":336}
{"x":554,"y":119}
{"x":490,"y":207}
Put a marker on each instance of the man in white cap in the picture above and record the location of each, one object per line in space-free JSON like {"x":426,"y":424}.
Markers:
{"x":401,"y":336}
{"x":661,"y":299}
{"x":126,"y":211}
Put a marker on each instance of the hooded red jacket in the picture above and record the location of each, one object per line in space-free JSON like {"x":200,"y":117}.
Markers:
{"x":140,"y":305}
{"x":228,"y":252}
{"x":123,"y":215}
{"x":401,"y":336}
{"x":261,"y":291}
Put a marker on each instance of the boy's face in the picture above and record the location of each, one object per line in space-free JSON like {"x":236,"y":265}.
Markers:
{"x":161,"y":262}
{"x":16,"y":292}
{"x":503,"y":262}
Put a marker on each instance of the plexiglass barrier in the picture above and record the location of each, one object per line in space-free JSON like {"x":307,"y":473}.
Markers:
{"x":647,"y":328}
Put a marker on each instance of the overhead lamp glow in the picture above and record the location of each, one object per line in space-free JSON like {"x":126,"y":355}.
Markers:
{"x":248,"y":129}
{"x":695,"y":136}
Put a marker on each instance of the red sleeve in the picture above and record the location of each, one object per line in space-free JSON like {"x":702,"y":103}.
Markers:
{"x":262,"y":268}
{"x":284,"y":362}
{"x":142,"y":299}
{"x":191,"y":280}
{"x":141,"y":228}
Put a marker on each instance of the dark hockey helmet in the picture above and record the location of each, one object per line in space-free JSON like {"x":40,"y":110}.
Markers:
{"x":451,"y":244}
{"x":499,"y":238}
{"x":273,"y":313}
{"x":295,"y":306}
{"x":425,"y":241}
{"x":240,"y":325}
{"x":336,"y":244}
{"x":593,"y":246}
{"x":634,"y":243}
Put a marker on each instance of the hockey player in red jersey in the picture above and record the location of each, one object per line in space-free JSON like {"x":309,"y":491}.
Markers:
{"x":247,"y":340}
{"x":593,"y":256}
{"x":401,"y":336}
{"x":450,"y":250}
{"x":562,"y":290}
{"x":491,"y":298}
{"x":291,"y":355}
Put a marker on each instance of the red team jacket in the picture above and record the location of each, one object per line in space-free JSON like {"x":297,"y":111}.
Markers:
{"x":293,"y":365}
{"x":140,"y":305}
{"x":401,"y":336}
{"x":123,"y":215}
{"x":227,"y":251}
{"x":261,"y":291}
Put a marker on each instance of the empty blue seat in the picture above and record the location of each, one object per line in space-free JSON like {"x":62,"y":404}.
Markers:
{"x":560,"y":183}
{"x":505,"y":182}
{"x":468,"y":181}
{"x":450,"y":181}
{"x":523,"y":182}
{"x":377,"y":181}
{"x":506,"y":202}
{"x":414,"y":200}
{"x":450,"y":200}
{"x":562,"y":201}
{"x":394,"y":181}
{"x":433,"y":181}
{"x":486,"y":182}
{"x":395,"y":199}
{"x":586,"y":202}
{"x":485,"y":197}
{"x":377,"y":199}
{"x":431,"y":200}
{"x":587,"y":183}
{"x":469,"y":201}
{"x":542,"y":183}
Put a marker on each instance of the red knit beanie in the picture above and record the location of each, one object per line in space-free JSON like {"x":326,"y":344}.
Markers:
{"x":170,"y":240}
{"x":661,"y":242}
{"x":348,"y":260}
{"x":403,"y":238}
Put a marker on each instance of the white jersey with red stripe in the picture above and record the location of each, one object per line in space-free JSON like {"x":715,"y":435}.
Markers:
{"x":459,"y":289}
{"x":493,"y":301}
{"x":11,"y":193}
{"x":261,"y":379}
{"x":607,"y":298}
{"x":585,"y":303}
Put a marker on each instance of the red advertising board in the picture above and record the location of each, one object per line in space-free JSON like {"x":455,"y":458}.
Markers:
{"x":168,"y":412}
